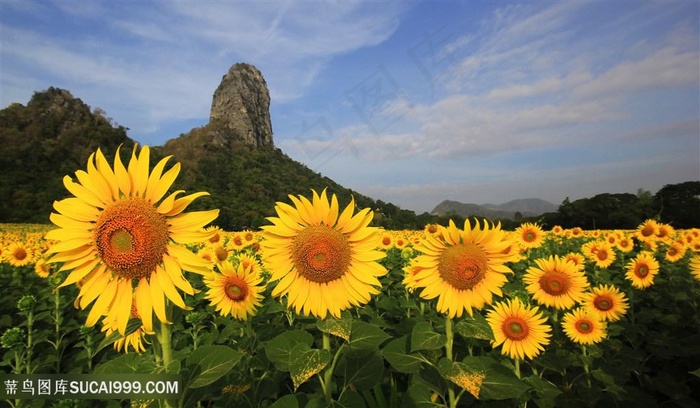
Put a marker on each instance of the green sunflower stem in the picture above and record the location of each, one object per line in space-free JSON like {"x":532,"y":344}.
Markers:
{"x":328,"y":374}
{"x":585,"y":365}
{"x":517,"y":367}
{"x":164,"y":337}
{"x":449,"y":336}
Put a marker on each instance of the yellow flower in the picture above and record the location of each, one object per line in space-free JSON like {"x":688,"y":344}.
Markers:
{"x":647,"y":231}
{"x":325,"y":260}
{"x":675,"y":252}
{"x":465,"y":269}
{"x":42,"y":268}
{"x":606,"y":302}
{"x":520,"y":329}
{"x":604,"y":254}
{"x":124,"y":242}
{"x":695,"y":267}
{"x":18,"y":254}
{"x":583,"y":327}
{"x":531,"y":235}
{"x":134,"y":339}
{"x":236,"y":291}
{"x":642,"y":269}
{"x":386,"y":241}
{"x":555,"y":282}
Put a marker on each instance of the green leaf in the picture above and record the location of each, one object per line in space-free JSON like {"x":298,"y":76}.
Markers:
{"x":366,"y":337}
{"x":337,"y":327}
{"x":696,"y":372}
{"x":500,"y":382}
{"x":421,"y":396}
{"x":209,"y":363}
{"x":288,"y":401}
{"x":545,"y":391}
{"x":468,"y":376}
{"x":349,"y":399}
{"x":362,"y":373}
{"x":475,"y":328}
{"x":424,"y":338}
{"x":306,"y":363}
{"x":397,"y":354}
{"x":279,"y":349}
{"x":126,"y":364}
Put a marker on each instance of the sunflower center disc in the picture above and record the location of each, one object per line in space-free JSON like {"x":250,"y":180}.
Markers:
{"x":19,"y":254}
{"x":642,"y":271}
{"x":236,"y":290}
{"x":321,"y":254}
{"x":584,"y":326}
{"x":530,"y":237}
{"x":131,"y":238}
{"x":554,"y":283}
{"x":463,"y":266}
{"x":603,"y":304}
{"x":515,"y":328}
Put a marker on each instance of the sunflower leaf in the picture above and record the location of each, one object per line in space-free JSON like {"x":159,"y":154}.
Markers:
{"x":279,"y":349}
{"x":424,"y":338}
{"x":397,"y":354}
{"x":211,"y":362}
{"x":337,"y":327}
{"x":365,"y":338}
{"x":306,"y":363}
{"x":475,"y":328}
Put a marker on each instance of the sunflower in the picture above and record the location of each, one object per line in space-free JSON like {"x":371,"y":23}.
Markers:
{"x":675,"y":252}
{"x":42,"y":268}
{"x":18,"y":254}
{"x":123,"y":242}
{"x":555,"y":282}
{"x":583,"y":327}
{"x":647,"y":231}
{"x":695,"y":267}
{"x":236,"y":291}
{"x":604,"y":254}
{"x":606,"y":302}
{"x":386,"y":241}
{"x":325,"y":260}
{"x":465,"y":269}
{"x":624,"y":244}
{"x":642,"y":269}
{"x":134,"y":339}
{"x":520,"y":329}
{"x":531,"y":235}
{"x":578,"y":259}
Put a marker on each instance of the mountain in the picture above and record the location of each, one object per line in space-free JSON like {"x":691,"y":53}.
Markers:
{"x":527,"y":207}
{"x":233,"y":157}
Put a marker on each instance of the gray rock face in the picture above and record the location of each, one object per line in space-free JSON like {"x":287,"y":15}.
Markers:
{"x":241,"y":105}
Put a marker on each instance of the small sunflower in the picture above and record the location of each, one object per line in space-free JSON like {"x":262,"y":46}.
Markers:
{"x":531,"y":235}
{"x":465,"y":269}
{"x":121,"y":239}
{"x":520,"y":329}
{"x":42,"y":268}
{"x":675,"y":252}
{"x":606,"y":302}
{"x":18,"y":254}
{"x":325,"y":260}
{"x":134,"y":339}
{"x":695,"y":267}
{"x":583,"y":327}
{"x":555,"y":282}
{"x":642,"y":269}
{"x":604,"y":254}
{"x":236,"y":291}
{"x":386,"y":241}
{"x":625,"y":244}
{"x":647,"y":231}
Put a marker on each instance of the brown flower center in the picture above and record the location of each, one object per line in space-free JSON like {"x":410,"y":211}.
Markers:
{"x":19,"y":254}
{"x":603,"y":303}
{"x":463,"y":266}
{"x":236,"y":289}
{"x":529,"y":236}
{"x":515,"y":328}
{"x":584,"y":326}
{"x":555,"y":283}
{"x":131,"y":238}
{"x":641,"y":270}
{"x":321,"y":254}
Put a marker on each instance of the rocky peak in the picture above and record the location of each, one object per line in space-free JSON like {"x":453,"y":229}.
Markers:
{"x":241,"y":106}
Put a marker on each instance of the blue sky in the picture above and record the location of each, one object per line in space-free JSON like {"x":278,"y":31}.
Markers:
{"x":408,"y":102}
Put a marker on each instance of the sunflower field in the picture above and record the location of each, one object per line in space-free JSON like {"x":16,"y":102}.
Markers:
{"x":319,"y":308}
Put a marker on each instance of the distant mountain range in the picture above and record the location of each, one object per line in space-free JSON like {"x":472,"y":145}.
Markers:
{"x":527,"y":207}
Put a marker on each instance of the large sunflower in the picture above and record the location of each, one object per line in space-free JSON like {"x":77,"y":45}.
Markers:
{"x":583,"y":327}
{"x":642,"y":270}
{"x":556,"y":282}
{"x":465,"y":268}
{"x":520,"y":329}
{"x":606,"y":302}
{"x":124,"y":242}
{"x":325,"y":260}
{"x":236,"y":291}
